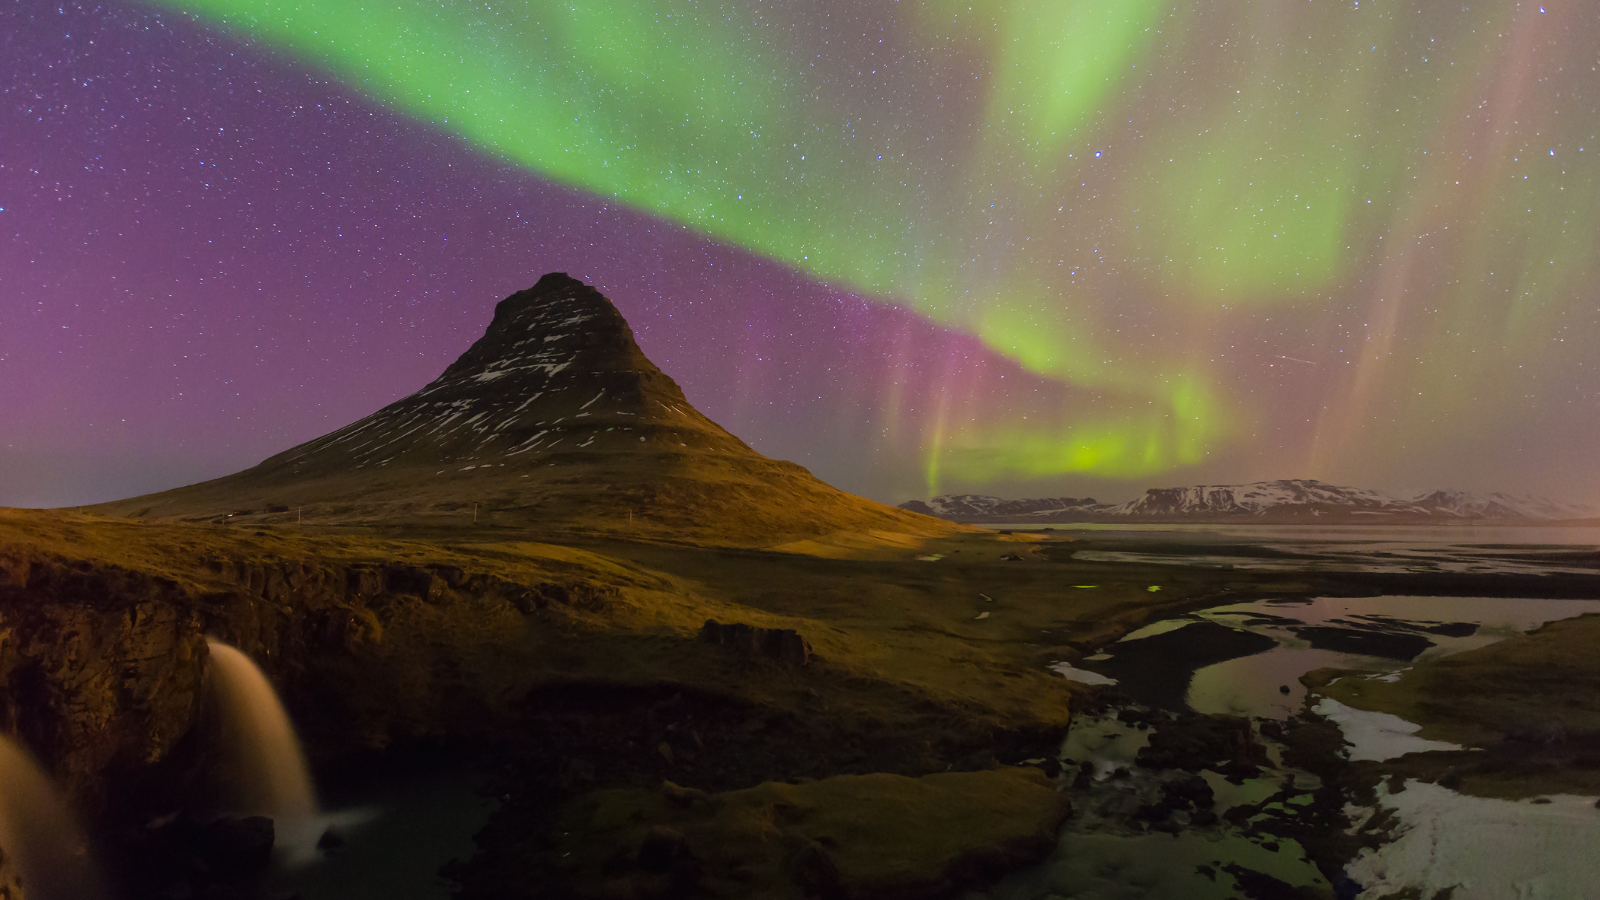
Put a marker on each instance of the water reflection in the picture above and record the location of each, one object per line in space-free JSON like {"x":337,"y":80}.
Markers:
{"x":1397,"y":631}
{"x":1266,"y":684}
{"x":1253,"y":685}
{"x":1443,"y":838}
{"x":1350,"y":548}
{"x":1113,"y":847}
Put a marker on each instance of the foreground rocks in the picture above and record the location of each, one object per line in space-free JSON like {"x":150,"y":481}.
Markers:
{"x":849,"y":836}
{"x":785,"y":645}
{"x":181,"y":856}
{"x":103,"y":666}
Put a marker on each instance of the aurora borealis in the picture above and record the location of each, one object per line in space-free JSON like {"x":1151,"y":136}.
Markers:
{"x":1076,"y":247}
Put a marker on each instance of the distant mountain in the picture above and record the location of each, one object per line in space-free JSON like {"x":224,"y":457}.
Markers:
{"x":1288,"y":500}
{"x":553,"y":420}
{"x":1497,"y":505}
{"x":978,"y":506}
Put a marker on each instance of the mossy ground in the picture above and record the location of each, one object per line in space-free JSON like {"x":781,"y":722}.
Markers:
{"x":930,"y":656}
{"x":876,"y":835}
{"x":887,"y":628}
{"x":1529,"y":706}
{"x":909,"y":678}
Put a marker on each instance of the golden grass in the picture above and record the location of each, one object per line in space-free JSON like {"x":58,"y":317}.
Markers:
{"x":1532,"y":702}
{"x":892,"y":633}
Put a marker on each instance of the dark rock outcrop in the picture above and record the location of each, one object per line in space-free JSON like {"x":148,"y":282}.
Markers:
{"x":1369,"y":641}
{"x":782,"y":645}
{"x":1195,"y":742}
{"x":182,"y":856}
{"x":848,"y":836}
{"x":103,"y":668}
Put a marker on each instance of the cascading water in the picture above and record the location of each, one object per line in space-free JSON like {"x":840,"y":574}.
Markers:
{"x":268,"y":768}
{"x":38,"y":834}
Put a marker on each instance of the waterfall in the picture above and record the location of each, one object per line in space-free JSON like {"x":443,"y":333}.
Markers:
{"x":268,"y":769}
{"x":38,"y":834}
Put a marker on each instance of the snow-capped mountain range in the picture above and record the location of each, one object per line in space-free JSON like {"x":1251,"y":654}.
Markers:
{"x":1292,"y":499}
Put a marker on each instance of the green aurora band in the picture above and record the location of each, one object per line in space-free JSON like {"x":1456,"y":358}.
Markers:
{"x":1116,"y":194}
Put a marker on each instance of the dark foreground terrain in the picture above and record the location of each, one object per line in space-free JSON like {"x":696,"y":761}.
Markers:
{"x":861,"y":714}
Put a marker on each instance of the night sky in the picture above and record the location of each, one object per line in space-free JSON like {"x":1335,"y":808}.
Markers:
{"x":1035,"y":247}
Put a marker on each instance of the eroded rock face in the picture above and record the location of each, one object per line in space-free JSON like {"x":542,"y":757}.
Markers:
{"x":103,"y":669}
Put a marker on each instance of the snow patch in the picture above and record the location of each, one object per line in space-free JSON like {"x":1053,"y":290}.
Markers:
{"x":1483,"y":847}
{"x":1377,"y":735}
{"x":1082,"y":676}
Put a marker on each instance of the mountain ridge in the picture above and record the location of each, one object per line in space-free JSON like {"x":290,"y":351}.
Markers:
{"x":1292,"y":499}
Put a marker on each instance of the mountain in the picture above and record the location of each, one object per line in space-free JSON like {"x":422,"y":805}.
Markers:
{"x":978,"y":506}
{"x":1257,"y":499}
{"x":1497,"y":505}
{"x":553,"y":420}
{"x":1286,"y":500}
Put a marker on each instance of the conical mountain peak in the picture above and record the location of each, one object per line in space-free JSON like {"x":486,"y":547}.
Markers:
{"x":553,"y":420}
{"x":558,"y":371}
{"x":556,"y":323}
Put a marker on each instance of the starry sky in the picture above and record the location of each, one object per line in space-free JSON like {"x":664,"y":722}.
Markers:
{"x":1028,"y":247}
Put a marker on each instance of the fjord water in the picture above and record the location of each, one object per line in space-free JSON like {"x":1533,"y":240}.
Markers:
{"x":1483,"y":549}
{"x":39,"y":835}
{"x":1422,"y":535}
{"x":267,"y":767}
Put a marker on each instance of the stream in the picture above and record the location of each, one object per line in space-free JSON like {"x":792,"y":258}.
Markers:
{"x":1144,"y":830}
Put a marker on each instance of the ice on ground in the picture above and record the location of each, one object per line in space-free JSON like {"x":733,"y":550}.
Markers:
{"x":1377,"y":735}
{"x":1484,"y":848}
{"x":1082,"y":676}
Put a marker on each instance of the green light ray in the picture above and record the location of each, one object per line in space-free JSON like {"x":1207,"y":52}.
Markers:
{"x":1105,"y":191}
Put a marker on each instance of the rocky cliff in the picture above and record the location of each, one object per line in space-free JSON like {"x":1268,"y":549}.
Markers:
{"x":103,"y":662}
